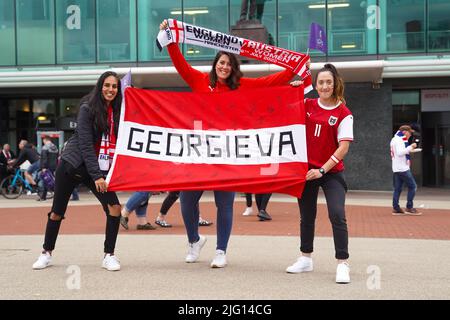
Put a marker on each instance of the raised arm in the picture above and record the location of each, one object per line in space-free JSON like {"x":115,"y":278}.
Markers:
{"x":185,"y":70}
{"x":189,"y":74}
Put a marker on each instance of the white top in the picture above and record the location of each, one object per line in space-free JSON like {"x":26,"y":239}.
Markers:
{"x":398,"y":154}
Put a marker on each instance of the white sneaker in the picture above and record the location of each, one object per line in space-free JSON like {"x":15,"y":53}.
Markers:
{"x":43,"y":261}
{"x":343,"y":273}
{"x":248,"y":211}
{"x":303,"y":264}
{"x":194,"y":249}
{"x":220,"y":260}
{"x":111,"y":263}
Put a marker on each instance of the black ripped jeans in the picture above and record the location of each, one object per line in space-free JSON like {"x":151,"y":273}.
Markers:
{"x":66,"y":179}
{"x":334,"y":188}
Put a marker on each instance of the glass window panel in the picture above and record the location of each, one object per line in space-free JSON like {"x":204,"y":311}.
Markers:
{"x":402,"y":26}
{"x":211,"y":14}
{"x":150,"y":15}
{"x":266,"y":12}
{"x":75,"y":31}
{"x":405,"y":108}
{"x":68,"y":107}
{"x":116,"y":33}
{"x":294,"y":21}
{"x":35,"y":32}
{"x":439,"y":25}
{"x":7,"y":46}
{"x":21,"y":119}
{"x":348,"y":33}
{"x":405,"y":97}
{"x":44,"y":113}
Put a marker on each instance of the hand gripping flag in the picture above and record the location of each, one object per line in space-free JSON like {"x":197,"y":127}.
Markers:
{"x":180,"y":32}
{"x":243,"y":140}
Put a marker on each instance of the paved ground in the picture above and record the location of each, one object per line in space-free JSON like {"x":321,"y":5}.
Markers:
{"x":391,"y":257}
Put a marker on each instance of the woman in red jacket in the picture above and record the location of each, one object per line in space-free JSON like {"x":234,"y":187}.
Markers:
{"x":225,"y":75}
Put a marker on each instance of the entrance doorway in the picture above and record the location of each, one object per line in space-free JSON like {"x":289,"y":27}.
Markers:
{"x":443,"y":157}
{"x":437,"y":156}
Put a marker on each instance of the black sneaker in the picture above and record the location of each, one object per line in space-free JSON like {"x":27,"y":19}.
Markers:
{"x":263,"y":215}
{"x":124,"y":222}
{"x":413,"y":212}
{"x":398,"y":212}
{"x":146,"y":226}
{"x":34,"y":190}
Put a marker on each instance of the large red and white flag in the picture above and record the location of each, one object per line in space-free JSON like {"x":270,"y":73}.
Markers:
{"x":243,"y":140}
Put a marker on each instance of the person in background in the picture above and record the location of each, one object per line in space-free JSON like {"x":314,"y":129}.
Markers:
{"x":261,"y":203}
{"x":168,"y":202}
{"x":6,"y":160}
{"x":400,"y":154}
{"x":28,"y":152}
{"x":49,"y":161}
{"x":75,"y":195}
{"x":138,"y":202}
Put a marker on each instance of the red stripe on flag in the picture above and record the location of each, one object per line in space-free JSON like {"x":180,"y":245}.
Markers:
{"x":177,"y":30}
{"x":242,"y":109}
{"x":151,"y":175}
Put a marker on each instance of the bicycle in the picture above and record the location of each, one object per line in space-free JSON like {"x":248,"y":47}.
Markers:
{"x":13,"y":186}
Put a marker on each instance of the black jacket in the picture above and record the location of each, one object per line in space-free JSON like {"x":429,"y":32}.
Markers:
{"x":27,"y":153}
{"x":80,"y":148}
{"x":49,"y":156}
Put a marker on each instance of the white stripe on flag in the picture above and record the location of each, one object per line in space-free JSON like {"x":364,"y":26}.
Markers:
{"x":235,"y":147}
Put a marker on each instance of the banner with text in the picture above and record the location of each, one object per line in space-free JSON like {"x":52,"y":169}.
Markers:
{"x":243,"y":140}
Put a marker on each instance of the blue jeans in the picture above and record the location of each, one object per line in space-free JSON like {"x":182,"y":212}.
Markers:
{"x":34,"y":167}
{"x":407,"y":178}
{"x":189,"y":209}
{"x":138,"y":202}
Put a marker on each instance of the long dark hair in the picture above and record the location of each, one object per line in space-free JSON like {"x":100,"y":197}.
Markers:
{"x":233,"y":81}
{"x":97,"y":104}
{"x":338,"y":89}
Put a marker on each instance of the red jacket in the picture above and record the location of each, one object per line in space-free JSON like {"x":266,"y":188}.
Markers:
{"x":199,"y":81}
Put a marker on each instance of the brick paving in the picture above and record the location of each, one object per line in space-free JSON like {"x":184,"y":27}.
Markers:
{"x":363,"y":221}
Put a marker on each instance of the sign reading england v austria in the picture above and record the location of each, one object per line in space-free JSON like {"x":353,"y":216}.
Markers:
{"x":243,"y":140}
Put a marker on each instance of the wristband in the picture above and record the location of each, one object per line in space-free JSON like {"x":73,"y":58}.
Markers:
{"x":334,"y":159}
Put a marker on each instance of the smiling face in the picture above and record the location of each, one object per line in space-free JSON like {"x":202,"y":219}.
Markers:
{"x":223,"y":68}
{"x":325,"y":85}
{"x":109,"y":89}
